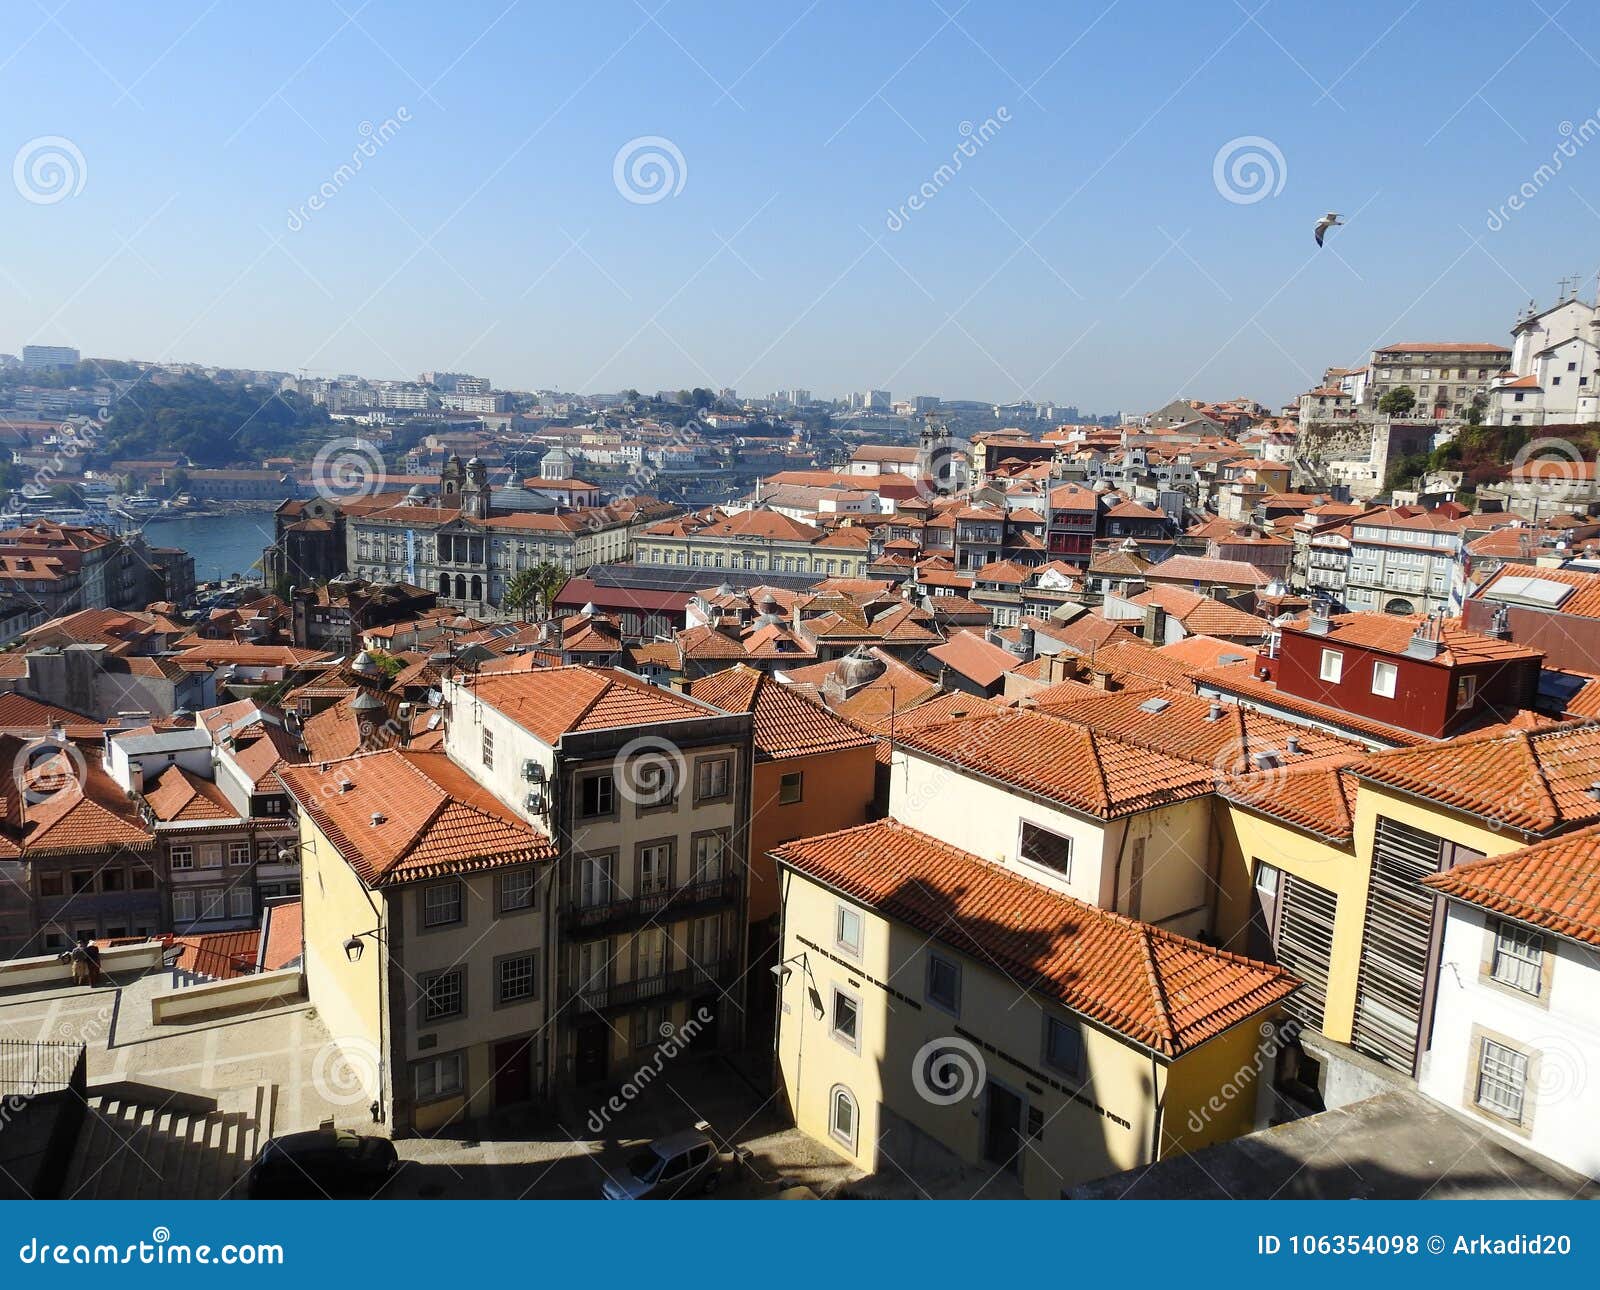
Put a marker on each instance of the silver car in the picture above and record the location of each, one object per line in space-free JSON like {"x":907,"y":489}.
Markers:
{"x":681,"y":1164}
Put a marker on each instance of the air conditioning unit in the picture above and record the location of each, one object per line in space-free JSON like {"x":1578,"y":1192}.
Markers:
{"x":536,"y":802}
{"x":533,"y":771}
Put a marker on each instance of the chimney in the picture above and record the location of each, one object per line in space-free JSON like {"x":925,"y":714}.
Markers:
{"x":1292,"y":745}
{"x":1214,"y":713}
{"x":1155,"y":625}
{"x":1028,"y":644}
{"x":1427,"y":641}
{"x":1319,"y":624}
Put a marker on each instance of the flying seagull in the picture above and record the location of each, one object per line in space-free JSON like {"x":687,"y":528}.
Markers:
{"x":1328,"y":221}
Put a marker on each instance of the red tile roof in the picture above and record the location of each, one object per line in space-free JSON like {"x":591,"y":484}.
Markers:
{"x":1094,"y":773}
{"x":1162,"y":991}
{"x":433,"y":819}
{"x":1533,"y":781}
{"x":786,"y":722}
{"x":1554,"y":885}
{"x":550,"y":702}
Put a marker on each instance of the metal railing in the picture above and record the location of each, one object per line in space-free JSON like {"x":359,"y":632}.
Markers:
{"x":674,"y":902}
{"x":27,"y":1067}
{"x":597,"y":996}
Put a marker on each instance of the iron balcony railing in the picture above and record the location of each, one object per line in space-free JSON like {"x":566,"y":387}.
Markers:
{"x":604,"y":996}
{"x":668,"y":904}
{"x":27,"y":1067}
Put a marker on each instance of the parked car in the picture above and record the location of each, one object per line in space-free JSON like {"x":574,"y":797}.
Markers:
{"x":682,"y":1164}
{"x":321,"y":1162}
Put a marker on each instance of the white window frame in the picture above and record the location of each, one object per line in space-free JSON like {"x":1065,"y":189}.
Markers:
{"x":504,"y":888}
{"x":241,"y":902}
{"x":1390,"y":673}
{"x":1331,"y":667}
{"x":1051,"y":1026}
{"x":181,"y":857}
{"x":953,"y":1004}
{"x":183,"y":905}
{"x":238,"y":854}
{"x":846,"y":1139}
{"x":843,"y":916}
{"x":850,"y":1039}
{"x":1065,"y":871}
{"x":1501,"y":1084}
{"x":428,"y":921}
{"x":517,"y":961}
{"x":444,"y":1077}
{"x":1517,"y":958}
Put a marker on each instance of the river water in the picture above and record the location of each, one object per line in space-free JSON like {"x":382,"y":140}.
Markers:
{"x":222,"y":545}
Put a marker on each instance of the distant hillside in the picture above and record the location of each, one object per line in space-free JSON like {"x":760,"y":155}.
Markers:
{"x":210,"y":423}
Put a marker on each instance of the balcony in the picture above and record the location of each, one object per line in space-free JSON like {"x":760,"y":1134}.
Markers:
{"x":609,"y":996}
{"x":669,"y":905}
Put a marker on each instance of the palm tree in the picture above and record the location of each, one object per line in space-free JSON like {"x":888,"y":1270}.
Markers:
{"x":536,"y":588}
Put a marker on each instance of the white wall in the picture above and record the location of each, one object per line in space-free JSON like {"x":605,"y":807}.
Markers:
{"x":1563,"y":1029}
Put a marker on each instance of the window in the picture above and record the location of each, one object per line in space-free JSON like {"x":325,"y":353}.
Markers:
{"x":655,"y":868}
{"x":183,"y":907}
{"x":488,"y":748}
{"x":846,"y":1025}
{"x":711,"y":778}
{"x":442,"y":994}
{"x":1466,"y":691}
{"x":650,"y":1024}
{"x":516,"y":891}
{"x":791,"y":787}
{"x":944,"y":984}
{"x":1063,"y":1047}
{"x":516,"y":979}
{"x":241,"y":903}
{"x":1332,"y":665}
{"x":182,"y":857}
{"x":1518,"y":958}
{"x":707,"y":858}
{"x":1502,"y":1080}
{"x":441,"y":904}
{"x":1042,"y":847}
{"x":657,"y":781}
{"x":847,"y":930}
{"x":1384,"y":676}
{"x":842,"y":1116}
{"x":238,"y":853}
{"x":112,"y":880}
{"x":50,"y":884}
{"x":144,"y":879}
{"x":599,"y":796}
{"x":211,"y":857}
{"x":437,"y":1077}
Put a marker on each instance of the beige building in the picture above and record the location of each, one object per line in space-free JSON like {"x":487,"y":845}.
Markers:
{"x":648,"y":794}
{"x":757,"y":541}
{"x":934,"y":1007}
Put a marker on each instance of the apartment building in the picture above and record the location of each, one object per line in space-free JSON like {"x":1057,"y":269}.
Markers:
{"x":935,"y":1005}
{"x":646,"y":794}
{"x":1516,"y":1024}
{"x":1445,"y":376}
{"x":1404,"y":560}
{"x":425,"y":909}
{"x":756,"y":541}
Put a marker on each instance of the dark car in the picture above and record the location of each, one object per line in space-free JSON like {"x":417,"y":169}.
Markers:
{"x":322,"y":1162}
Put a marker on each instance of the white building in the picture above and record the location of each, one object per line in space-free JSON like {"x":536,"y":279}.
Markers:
{"x":1555,"y":368}
{"x":1516,"y":1030}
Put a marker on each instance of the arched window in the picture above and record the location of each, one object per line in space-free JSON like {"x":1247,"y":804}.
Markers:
{"x":843,"y":1116}
{"x":477,"y":587}
{"x":461,"y":587}
{"x":444,"y":585}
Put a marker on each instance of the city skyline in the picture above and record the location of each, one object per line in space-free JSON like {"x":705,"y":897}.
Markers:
{"x":943,"y":216}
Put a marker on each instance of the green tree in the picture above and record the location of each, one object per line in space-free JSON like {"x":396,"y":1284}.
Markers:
{"x":1398,"y":402}
{"x":535,"y":588}
{"x":1475,"y":410}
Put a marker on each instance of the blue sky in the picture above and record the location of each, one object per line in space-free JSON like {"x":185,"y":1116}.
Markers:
{"x":1082,"y":253}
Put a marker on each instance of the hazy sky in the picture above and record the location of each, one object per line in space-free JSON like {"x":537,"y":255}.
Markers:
{"x":1083,"y":251}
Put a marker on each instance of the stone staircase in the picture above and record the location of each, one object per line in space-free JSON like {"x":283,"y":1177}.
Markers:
{"x":144,"y":1143}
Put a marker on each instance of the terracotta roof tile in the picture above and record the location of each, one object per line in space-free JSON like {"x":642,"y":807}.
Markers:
{"x":1554,"y":885}
{"x":786,"y":722}
{"x":1162,"y":991}
{"x":550,"y":702}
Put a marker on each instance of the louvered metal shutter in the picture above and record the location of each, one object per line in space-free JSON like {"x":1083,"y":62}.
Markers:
{"x":1305,"y":945}
{"x":1394,"y":951}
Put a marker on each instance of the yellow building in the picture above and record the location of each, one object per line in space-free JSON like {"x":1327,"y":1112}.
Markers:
{"x":425,"y":903}
{"x":932,"y":1002}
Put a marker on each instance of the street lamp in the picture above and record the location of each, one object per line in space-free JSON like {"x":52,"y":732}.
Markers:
{"x":355,"y":945}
